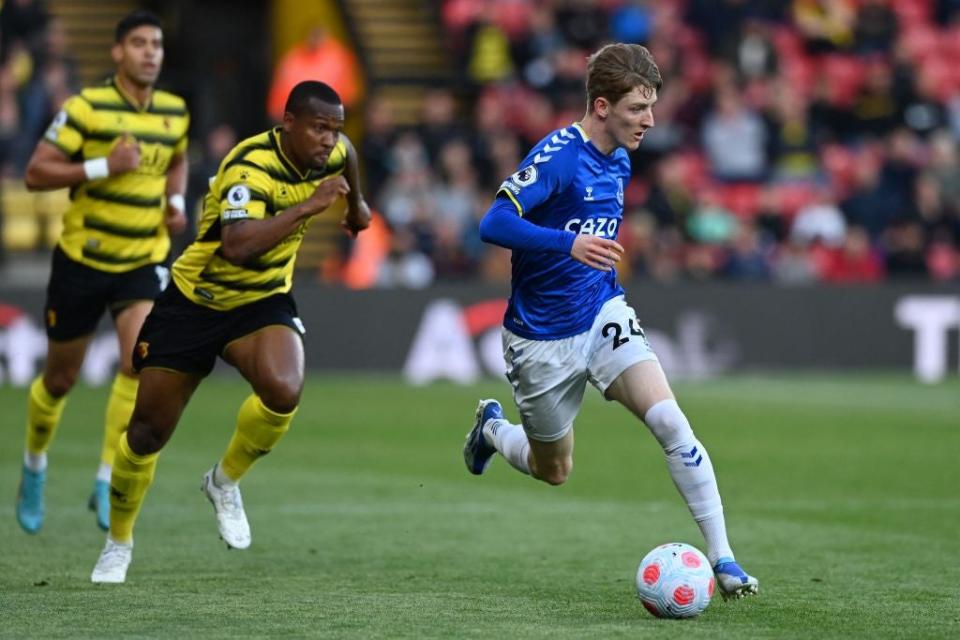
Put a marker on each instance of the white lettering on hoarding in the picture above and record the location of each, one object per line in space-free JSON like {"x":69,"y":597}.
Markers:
{"x":930,"y":318}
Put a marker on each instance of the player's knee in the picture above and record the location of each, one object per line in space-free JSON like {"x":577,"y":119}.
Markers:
{"x":282,"y":395}
{"x":145,"y":436}
{"x":555,"y":472}
{"x":59,"y":383}
{"x":668,"y":424}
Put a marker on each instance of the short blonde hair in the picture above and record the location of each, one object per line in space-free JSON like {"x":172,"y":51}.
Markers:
{"x":614,"y":71}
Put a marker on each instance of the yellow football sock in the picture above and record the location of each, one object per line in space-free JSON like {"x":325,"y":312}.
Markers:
{"x":123,"y":395}
{"x":258,"y":431}
{"x":132,"y":476}
{"x":43,"y":416}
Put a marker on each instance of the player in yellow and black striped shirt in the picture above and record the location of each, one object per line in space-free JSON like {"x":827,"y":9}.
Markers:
{"x":120,"y":148}
{"x":255,"y":181}
{"x":231,"y":299}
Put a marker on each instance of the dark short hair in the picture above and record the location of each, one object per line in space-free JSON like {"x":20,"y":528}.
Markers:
{"x":133,"y":20}
{"x":301,"y":95}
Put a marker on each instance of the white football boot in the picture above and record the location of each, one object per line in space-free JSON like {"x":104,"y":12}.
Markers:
{"x":733,"y":581}
{"x":231,"y":519}
{"x":112,"y":565}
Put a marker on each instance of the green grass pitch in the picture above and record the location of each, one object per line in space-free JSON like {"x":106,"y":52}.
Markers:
{"x":842,"y":495}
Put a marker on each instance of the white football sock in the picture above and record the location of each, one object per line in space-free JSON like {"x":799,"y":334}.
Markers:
{"x":36,"y":462}
{"x":692,"y":473}
{"x":104,"y":471}
{"x":511,"y":441}
{"x":221,"y":479}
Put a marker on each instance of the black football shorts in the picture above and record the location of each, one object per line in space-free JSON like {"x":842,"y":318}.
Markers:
{"x":77,"y":295}
{"x":184,"y":336}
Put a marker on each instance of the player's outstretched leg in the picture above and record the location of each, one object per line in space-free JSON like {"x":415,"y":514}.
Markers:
{"x":224,"y":495}
{"x":258,"y":430}
{"x":43,"y":417}
{"x":111,"y":567}
{"x":132,"y":475}
{"x":733,"y":581}
{"x":123,"y":396}
{"x":477,"y":451}
{"x":692,"y":472}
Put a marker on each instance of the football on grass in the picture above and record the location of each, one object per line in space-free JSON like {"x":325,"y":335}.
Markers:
{"x":675,"y":581}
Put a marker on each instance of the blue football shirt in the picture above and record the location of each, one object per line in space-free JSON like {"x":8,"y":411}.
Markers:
{"x":565,"y":182}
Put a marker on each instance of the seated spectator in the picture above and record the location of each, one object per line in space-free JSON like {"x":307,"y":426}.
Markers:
{"x":922,"y":111}
{"x":735,"y":139}
{"x":405,"y":266}
{"x":670,"y":200}
{"x":905,"y":250}
{"x":868,"y":206}
{"x":794,"y":147}
{"x":711,"y":223}
{"x":756,"y":52}
{"x":379,"y":137}
{"x":855,"y":262}
{"x":438,"y":121}
{"x":875,"y":27}
{"x":874,"y":110}
{"x":748,"y":259}
{"x":943,"y":259}
{"x":820,"y":221}
{"x":488,"y":56}
{"x":825,"y":25}
{"x":793,"y":264}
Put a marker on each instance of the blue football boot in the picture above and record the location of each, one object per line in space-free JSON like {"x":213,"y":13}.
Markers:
{"x":477,"y":452}
{"x":30,"y":507}
{"x":99,"y":503}
{"x":733,"y":581}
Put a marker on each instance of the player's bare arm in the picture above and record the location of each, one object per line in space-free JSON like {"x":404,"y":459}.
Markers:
{"x":49,"y":168}
{"x":247,"y":239}
{"x":598,"y":253}
{"x":175,"y":217}
{"x":357,"y":217}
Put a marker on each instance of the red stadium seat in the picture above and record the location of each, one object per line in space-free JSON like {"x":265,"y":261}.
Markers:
{"x":845,"y":76}
{"x":694,"y":167}
{"x":787,"y":42}
{"x":841,"y":165}
{"x":800,"y":72}
{"x":911,"y":13}
{"x":921,"y":42}
{"x":743,"y":200}
{"x":793,"y":197}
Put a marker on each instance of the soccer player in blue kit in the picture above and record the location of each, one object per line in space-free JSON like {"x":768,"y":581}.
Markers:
{"x":567,"y":321}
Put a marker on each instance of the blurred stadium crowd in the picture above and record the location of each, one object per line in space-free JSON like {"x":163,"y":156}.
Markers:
{"x":797,"y":141}
{"x":37,"y":74}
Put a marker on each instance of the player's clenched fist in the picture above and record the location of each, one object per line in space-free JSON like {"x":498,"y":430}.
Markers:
{"x":596,"y":252}
{"x":357,"y":219}
{"x":125,"y":155}
{"x":326,"y":193}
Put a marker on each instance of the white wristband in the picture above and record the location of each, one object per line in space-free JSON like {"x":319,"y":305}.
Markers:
{"x":96,"y":169}
{"x":176,"y":201}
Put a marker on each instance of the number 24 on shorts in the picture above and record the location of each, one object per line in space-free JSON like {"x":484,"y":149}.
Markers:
{"x":618,"y":338}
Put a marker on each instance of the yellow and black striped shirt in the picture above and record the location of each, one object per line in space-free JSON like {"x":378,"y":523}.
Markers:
{"x":255,"y":180}
{"x":115,"y":224}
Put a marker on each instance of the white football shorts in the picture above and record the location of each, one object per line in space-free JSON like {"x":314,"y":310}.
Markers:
{"x":550,"y":376}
